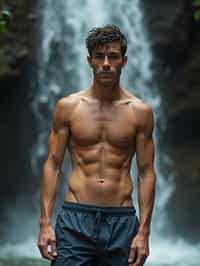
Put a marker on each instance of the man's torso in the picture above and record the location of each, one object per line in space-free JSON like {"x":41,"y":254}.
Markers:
{"x":101,"y":145}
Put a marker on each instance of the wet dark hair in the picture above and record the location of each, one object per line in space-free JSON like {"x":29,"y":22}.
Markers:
{"x":103,"y":35}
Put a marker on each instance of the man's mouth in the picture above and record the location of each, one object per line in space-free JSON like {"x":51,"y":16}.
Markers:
{"x":106,"y":73}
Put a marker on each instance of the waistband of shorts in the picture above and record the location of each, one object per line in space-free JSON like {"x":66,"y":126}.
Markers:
{"x":82,"y":207}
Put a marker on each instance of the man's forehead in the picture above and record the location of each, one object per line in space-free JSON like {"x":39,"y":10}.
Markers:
{"x":113,"y":46}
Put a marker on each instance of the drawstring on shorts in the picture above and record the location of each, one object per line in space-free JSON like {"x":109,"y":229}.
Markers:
{"x":98,"y":218}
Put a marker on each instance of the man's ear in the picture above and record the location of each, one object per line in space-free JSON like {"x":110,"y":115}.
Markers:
{"x":89,"y":60}
{"x":125,"y":59}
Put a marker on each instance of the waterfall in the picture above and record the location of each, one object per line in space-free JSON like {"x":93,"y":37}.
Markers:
{"x":63,"y":69}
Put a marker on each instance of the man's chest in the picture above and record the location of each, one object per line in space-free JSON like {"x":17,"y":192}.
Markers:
{"x":115,"y":126}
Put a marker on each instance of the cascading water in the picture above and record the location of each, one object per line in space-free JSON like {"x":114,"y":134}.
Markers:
{"x":63,"y":69}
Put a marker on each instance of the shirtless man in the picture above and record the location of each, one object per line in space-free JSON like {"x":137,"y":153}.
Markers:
{"x":103,"y":127}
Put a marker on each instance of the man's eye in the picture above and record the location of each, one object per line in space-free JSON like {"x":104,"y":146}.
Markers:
{"x":113,"y":56}
{"x":99,"y":56}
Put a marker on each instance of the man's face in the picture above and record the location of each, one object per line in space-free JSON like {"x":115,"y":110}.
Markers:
{"x":107,"y":62}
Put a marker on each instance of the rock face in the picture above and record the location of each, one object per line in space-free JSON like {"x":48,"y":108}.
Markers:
{"x":17,"y":122}
{"x":175,"y":40}
{"x":16,"y":45}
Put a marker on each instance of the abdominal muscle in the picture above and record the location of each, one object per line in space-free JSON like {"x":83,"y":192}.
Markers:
{"x":106,"y":191}
{"x":100,"y":175}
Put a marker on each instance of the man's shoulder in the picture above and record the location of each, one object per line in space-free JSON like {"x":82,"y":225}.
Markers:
{"x":143,"y":112}
{"x":65,"y":106}
{"x":144,"y":116}
{"x":138,"y":104}
{"x":141,"y":107}
{"x":67,"y":103}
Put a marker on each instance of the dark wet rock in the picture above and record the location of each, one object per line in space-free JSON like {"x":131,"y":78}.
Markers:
{"x":175,"y":42}
{"x":17,"y":42}
{"x":17,"y":125}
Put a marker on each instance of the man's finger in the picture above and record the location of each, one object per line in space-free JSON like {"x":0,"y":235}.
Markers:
{"x":43,"y":247}
{"x":140,"y":259}
{"x":132,"y":255}
{"x":53,"y":247}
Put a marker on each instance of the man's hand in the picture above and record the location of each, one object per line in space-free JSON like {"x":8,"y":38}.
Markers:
{"x":47,"y":239}
{"x":139,"y":250}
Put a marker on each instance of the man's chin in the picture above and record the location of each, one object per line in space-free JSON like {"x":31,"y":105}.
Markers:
{"x":107,"y":83}
{"x":106,"y":80}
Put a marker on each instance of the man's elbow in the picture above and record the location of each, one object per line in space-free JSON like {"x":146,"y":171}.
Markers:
{"x":147,"y":172}
{"x":53,"y":163}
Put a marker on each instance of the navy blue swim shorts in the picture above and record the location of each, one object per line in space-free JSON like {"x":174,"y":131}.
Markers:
{"x":89,"y":235}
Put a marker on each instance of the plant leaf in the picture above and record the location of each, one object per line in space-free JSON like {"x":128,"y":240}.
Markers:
{"x":197,"y":15}
{"x":196,"y":3}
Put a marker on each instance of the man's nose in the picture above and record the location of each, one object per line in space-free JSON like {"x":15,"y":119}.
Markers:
{"x":106,"y":64}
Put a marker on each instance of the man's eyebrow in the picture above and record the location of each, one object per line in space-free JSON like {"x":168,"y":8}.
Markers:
{"x":111,"y":52}
{"x":99,"y":52}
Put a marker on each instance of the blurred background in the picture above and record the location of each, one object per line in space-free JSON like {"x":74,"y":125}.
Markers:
{"x":43,"y":57}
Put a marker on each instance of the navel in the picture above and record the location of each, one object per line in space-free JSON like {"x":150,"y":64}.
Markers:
{"x":101,"y":180}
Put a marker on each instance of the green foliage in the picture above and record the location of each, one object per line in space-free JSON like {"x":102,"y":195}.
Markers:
{"x":196,"y":5}
{"x":197,"y":15}
{"x":2,"y":26}
{"x":4,"y":16}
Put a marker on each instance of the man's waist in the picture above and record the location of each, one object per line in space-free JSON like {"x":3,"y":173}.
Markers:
{"x":83,"y":207}
{"x":92,"y":198}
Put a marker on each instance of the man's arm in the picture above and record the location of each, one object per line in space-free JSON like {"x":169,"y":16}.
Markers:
{"x":58,"y":141}
{"x":146,"y":172}
{"x":146,"y":184}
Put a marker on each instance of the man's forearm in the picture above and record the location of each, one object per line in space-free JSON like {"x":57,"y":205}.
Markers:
{"x":50,"y":181}
{"x":146,"y":195}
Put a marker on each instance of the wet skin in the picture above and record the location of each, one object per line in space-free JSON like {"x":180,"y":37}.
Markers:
{"x":102,"y":127}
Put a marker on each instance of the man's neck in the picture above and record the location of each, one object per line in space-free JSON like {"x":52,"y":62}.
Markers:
{"x":106,"y":94}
